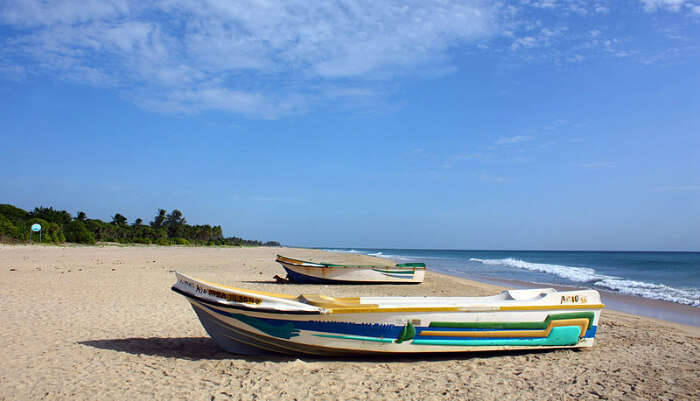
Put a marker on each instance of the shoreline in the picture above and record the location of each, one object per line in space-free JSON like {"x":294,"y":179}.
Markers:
{"x":638,"y":302}
{"x":671,"y":312}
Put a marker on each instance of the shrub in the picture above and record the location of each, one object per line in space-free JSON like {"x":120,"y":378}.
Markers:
{"x":12,"y":213}
{"x":45,"y":237}
{"x":7,"y":229}
{"x":180,"y":241}
{"x":162,"y":241}
{"x":76,"y":231}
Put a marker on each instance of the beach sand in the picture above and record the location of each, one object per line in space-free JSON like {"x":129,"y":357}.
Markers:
{"x":101,"y":323}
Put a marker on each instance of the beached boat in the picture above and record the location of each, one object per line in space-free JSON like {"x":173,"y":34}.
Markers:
{"x":304,"y":272}
{"x":247,"y":321}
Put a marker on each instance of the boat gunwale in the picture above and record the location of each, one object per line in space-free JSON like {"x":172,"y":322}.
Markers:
{"x":332,"y":307}
{"x":322,"y":265}
{"x":239,"y":306}
{"x":319,"y":280}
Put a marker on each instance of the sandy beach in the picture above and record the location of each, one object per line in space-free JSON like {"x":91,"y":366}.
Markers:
{"x":101,"y":323}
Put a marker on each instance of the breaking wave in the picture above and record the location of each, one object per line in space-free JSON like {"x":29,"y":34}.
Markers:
{"x":589,"y":276}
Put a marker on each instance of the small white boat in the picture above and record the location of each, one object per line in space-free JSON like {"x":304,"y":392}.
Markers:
{"x":247,"y":321}
{"x":303,"y":272}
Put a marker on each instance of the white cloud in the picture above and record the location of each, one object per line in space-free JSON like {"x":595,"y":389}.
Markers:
{"x":12,"y":71}
{"x":514,"y":139}
{"x":601,"y":9}
{"x":271,"y":59}
{"x":492,"y":178}
{"x":679,"y":188}
{"x":37,"y":12}
{"x":223,"y":99}
{"x":595,"y":165}
{"x":469,"y":156}
{"x":691,"y":6}
{"x":527,"y":41}
{"x":252,"y":53}
{"x":671,"y":5}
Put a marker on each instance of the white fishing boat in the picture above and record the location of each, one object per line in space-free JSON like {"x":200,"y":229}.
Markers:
{"x":303,"y":272}
{"x":248,"y":321}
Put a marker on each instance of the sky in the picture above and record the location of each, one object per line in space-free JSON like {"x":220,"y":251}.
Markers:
{"x":531,"y":124}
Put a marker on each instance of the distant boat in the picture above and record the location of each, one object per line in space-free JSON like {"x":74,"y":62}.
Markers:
{"x":248,"y":322}
{"x":299,"y":271}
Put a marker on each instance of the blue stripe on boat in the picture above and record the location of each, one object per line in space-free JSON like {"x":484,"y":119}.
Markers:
{"x":301,"y":278}
{"x":283,"y":328}
{"x":279,"y":327}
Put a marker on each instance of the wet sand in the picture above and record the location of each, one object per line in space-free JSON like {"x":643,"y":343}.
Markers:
{"x":102,"y":323}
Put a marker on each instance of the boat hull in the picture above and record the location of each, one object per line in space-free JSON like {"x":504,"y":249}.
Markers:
{"x":251,"y":322}
{"x":303,"y":272}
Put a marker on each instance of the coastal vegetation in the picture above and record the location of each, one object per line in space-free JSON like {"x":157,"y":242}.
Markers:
{"x":58,"y":226}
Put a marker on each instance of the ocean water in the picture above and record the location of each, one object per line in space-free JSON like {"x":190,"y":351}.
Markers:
{"x":665,"y":276}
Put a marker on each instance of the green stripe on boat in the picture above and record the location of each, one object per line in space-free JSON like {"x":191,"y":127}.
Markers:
{"x":394,"y":271}
{"x":516,"y":325}
{"x":568,"y":335}
{"x":359,"y":338}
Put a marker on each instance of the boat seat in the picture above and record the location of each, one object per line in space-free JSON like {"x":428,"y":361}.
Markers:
{"x":527,"y":295}
{"x":333,"y":302}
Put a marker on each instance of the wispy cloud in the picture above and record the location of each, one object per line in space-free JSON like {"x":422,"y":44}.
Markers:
{"x":691,"y":6}
{"x":246,"y":57}
{"x":271,"y":59}
{"x":679,"y":188}
{"x":596,"y":165}
{"x":485,"y":177}
{"x":469,"y":156}
{"x":514,"y":139}
{"x":275,"y":199}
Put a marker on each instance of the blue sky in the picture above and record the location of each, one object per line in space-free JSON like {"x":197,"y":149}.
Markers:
{"x":413,"y":124}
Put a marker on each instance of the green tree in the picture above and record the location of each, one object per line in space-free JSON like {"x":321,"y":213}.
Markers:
{"x":76,"y":231}
{"x":81,"y":217}
{"x":98,"y":228}
{"x":119,"y":220}
{"x":49,"y":214}
{"x":8,"y":231}
{"x":14,"y":214}
{"x":159,"y":219}
{"x":175,"y":223}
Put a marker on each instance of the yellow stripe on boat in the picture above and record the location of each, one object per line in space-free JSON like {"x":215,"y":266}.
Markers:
{"x":327,"y":302}
{"x":547,"y":307}
{"x":377,"y":309}
{"x":386,"y":310}
{"x":581,"y":323}
{"x":241,"y":290}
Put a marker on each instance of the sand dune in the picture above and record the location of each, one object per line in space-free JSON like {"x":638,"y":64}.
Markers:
{"x":102,"y":323}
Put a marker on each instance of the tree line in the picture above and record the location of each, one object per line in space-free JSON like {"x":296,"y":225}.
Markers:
{"x":60,"y":226}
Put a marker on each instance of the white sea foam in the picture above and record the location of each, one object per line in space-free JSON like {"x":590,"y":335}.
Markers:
{"x":392,"y":257}
{"x":377,"y":254}
{"x":343,"y":250}
{"x":578,"y":274}
{"x":619,"y":284}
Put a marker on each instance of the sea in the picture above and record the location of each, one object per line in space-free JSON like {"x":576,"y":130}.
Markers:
{"x":671,"y":277}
